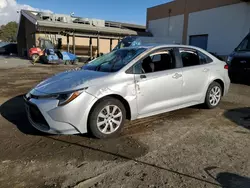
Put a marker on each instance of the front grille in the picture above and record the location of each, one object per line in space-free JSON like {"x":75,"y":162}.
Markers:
{"x":36,"y":116}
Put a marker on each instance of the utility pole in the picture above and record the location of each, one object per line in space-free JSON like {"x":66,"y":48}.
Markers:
{"x":169,"y":15}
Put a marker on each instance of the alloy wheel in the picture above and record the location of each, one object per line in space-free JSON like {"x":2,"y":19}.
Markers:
{"x":109,"y":119}
{"x":215,"y":95}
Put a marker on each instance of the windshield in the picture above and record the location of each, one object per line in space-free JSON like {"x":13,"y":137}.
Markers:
{"x":114,"y":60}
{"x":126,"y":42}
{"x":244,"y":45}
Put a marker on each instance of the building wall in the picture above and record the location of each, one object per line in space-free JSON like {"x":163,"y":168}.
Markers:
{"x":167,"y":27}
{"x":226,"y":26}
{"x":179,"y":7}
{"x":225,"y":21}
{"x":21,"y":41}
{"x":25,"y":37}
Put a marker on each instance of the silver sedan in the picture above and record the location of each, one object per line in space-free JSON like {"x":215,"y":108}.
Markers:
{"x":128,"y":83}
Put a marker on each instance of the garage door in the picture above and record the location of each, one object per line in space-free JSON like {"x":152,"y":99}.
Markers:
{"x":199,"y":41}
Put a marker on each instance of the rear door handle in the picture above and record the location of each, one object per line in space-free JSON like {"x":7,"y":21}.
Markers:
{"x":143,"y":76}
{"x":176,"y":76}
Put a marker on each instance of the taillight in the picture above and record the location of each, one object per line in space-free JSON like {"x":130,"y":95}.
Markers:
{"x":226,"y":67}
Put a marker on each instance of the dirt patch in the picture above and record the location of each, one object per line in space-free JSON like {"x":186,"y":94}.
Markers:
{"x":173,"y":149}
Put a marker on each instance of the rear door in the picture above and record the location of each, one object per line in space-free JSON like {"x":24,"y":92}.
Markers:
{"x":195,"y":74}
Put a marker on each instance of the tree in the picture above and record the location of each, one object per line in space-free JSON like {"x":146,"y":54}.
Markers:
{"x":8,"y":32}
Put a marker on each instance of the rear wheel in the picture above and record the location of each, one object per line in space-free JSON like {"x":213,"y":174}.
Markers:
{"x":107,"y":118}
{"x":213,"y":95}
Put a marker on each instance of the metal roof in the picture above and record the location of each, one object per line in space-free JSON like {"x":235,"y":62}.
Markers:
{"x":84,"y":28}
{"x":128,"y":25}
{"x":87,"y":28}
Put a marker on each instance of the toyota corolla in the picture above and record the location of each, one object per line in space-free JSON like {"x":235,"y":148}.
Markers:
{"x":128,"y":83}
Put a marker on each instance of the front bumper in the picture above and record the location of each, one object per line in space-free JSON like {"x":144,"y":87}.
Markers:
{"x":46,"y":116}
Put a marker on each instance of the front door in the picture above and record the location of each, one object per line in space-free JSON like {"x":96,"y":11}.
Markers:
{"x":158,"y":84}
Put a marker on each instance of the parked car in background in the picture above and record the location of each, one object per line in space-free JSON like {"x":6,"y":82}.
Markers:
{"x":7,"y":48}
{"x":128,"y":83}
{"x":131,"y":41}
{"x":239,"y":61}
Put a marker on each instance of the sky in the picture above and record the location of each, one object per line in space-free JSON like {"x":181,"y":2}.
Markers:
{"x":131,"y":11}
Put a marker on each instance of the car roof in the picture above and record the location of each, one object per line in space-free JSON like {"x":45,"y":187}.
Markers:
{"x":156,"y":46}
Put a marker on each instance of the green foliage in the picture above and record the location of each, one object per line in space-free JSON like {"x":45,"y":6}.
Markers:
{"x":8,"y":32}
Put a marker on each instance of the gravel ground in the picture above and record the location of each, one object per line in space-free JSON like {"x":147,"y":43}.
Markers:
{"x":192,"y":147}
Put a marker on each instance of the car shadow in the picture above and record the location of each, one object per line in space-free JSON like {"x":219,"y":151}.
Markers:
{"x":240,"y":116}
{"x":229,"y":180}
{"x":13,"y":110}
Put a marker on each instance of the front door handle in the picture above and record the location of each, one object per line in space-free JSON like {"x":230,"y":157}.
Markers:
{"x":205,"y":70}
{"x":176,"y":76}
{"x":143,"y":76}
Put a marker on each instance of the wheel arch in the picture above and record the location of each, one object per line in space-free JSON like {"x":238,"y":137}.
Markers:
{"x":32,"y":54}
{"x":120,"y":98}
{"x":222,"y":84}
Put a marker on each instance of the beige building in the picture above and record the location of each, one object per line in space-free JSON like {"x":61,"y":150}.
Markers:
{"x":81,"y":36}
{"x":215,"y":25}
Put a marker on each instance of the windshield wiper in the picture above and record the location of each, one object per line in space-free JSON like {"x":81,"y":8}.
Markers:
{"x":99,"y":66}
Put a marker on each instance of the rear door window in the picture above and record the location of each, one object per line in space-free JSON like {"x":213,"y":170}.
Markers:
{"x":189,"y":57}
{"x":204,"y":59}
{"x":192,"y":57}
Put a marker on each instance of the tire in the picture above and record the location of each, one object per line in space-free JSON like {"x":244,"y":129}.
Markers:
{"x":107,"y":121}
{"x":34,"y":57}
{"x":214,"y":100}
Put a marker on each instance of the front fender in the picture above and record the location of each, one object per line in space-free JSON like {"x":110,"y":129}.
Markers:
{"x":125,"y":90}
{"x":104,"y":93}
{"x":121,"y":86}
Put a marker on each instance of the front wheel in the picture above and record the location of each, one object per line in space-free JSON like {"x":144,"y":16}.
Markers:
{"x":213,"y":96}
{"x":34,"y":58}
{"x":107,"y":118}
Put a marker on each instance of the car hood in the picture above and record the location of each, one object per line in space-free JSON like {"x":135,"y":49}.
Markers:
{"x":68,"y":81}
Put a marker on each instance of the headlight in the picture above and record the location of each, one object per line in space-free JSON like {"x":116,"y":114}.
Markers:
{"x":27,"y":96}
{"x":66,"y":98}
